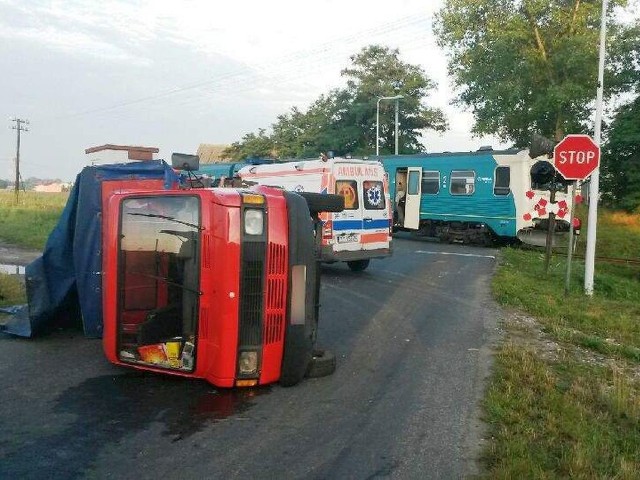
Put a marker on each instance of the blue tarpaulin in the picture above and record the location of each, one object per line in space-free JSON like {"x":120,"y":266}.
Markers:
{"x":66,"y":282}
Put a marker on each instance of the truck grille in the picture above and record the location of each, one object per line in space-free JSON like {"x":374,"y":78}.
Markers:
{"x":275,"y":304}
{"x":251,"y":286}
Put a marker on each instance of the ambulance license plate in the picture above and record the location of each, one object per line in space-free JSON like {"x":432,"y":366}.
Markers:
{"x":349,"y":238}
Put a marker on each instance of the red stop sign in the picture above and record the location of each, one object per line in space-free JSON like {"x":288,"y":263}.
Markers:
{"x":576,"y":157}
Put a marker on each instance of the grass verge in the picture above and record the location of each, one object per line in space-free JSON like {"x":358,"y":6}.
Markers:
{"x":564,"y":400}
{"x":29,"y":222}
{"x":11,"y":290}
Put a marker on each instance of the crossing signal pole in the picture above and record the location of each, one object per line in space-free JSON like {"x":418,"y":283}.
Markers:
{"x":20,"y":126}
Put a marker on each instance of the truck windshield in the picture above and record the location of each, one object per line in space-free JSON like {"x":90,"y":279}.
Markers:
{"x":159,"y":281}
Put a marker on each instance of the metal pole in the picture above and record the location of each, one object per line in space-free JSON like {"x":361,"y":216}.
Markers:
{"x":550,"y":230}
{"x":20,"y":126}
{"x":378,"y":127}
{"x":396,"y":98}
{"x":594,"y":184}
{"x":567,"y":280}
{"x":17,"y":186}
{"x":397,"y":108}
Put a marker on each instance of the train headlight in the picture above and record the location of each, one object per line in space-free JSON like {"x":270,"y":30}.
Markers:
{"x":253,"y":221}
{"x":248,"y":363}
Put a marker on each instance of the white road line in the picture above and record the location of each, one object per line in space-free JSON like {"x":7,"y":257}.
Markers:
{"x":456,"y":254}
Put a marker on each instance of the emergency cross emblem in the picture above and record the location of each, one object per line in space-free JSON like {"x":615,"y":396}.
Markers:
{"x":374,"y":195}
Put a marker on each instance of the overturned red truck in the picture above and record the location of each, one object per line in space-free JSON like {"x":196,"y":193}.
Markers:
{"x":220,"y":284}
{"x":214,"y":283}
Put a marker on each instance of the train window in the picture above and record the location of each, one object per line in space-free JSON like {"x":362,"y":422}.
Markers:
{"x":502,"y":181}
{"x":463,"y":182}
{"x":431,"y":182}
{"x":413,"y":185}
{"x":349,"y":190}
{"x":373,"y":195}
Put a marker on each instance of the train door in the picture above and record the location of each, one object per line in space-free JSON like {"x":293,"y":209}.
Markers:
{"x":412,"y":204}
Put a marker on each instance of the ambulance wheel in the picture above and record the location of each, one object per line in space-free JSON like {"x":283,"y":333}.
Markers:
{"x":358,"y":265}
{"x":323,"y":363}
{"x":321,"y":202}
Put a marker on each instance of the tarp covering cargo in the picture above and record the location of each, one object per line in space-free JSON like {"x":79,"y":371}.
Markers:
{"x":65,"y":282}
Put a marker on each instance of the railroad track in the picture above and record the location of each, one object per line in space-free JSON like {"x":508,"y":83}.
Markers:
{"x":614,"y":260}
{"x":563,"y":252}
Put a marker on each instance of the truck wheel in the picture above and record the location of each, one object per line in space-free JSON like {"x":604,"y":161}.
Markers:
{"x":323,"y":363}
{"x":358,"y":265}
{"x":321,"y":202}
{"x":297,"y":355}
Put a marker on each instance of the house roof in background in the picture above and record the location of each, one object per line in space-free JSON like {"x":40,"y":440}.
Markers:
{"x":212,"y":153}
{"x":110,"y":146}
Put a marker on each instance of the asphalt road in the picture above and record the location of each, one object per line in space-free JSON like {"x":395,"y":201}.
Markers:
{"x":412,"y":335}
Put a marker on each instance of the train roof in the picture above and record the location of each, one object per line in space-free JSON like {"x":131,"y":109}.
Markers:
{"x":309,"y":162}
{"x":474,"y":153}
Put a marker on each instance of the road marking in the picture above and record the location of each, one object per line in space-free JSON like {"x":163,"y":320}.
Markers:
{"x":456,"y":254}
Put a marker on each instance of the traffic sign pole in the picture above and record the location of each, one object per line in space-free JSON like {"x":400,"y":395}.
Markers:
{"x":567,"y":282}
{"x":576,"y":157}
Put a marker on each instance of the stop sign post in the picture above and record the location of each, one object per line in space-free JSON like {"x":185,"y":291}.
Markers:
{"x":576,"y":157}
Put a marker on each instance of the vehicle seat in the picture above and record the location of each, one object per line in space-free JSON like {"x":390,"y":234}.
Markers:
{"x":160,"y":325}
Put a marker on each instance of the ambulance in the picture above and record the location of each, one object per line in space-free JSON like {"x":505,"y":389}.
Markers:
{"x":360,"y":232}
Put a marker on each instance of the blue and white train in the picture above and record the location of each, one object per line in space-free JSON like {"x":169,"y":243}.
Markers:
{"x":479,"y":197}
{"x":228,"y":170}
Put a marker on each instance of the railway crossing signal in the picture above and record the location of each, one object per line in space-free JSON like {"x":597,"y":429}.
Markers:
{"x":576,"y":157}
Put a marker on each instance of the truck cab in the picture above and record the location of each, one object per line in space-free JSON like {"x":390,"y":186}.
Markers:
{"x":220,"y":284}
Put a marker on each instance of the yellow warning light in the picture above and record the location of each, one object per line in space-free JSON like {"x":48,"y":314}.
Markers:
{"x":253,"y":198}
{"x":246,"y":383}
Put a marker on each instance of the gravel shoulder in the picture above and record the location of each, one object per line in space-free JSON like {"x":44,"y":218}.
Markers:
{"x":14,"y":255}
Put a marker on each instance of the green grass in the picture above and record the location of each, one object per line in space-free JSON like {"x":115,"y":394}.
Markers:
{"x":574,"y":414}
{"x":29,"y":222}
{"x":560,"y":420}
{"x":11,"y":290}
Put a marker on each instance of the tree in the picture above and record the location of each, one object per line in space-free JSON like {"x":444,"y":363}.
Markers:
{"x":531,"y":65}
{"x":252,"y":145}
{"x":621,"y":159}
{"x":344,"y":120}
{"x":378,"y":72}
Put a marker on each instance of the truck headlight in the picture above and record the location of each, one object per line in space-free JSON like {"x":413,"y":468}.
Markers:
{"x":248,"y":363}
{"x":253,"y":221}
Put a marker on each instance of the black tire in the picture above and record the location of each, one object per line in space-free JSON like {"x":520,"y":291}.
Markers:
{"x":321,"y":202}
{"x":298,"y":342}
{"x":358,"y":265}
{"x":297,"y":355}
{"x":322,"y":363}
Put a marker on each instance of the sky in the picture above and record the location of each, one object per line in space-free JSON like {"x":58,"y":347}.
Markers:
{"x":175,"y":74}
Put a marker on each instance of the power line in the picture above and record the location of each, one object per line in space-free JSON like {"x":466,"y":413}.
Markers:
{"x":244,"y":73}
{"x":19,"y":127}
{"x":287,"y":70}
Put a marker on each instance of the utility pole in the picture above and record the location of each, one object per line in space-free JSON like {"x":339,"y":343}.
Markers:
{"x":396,"y":135}
{"x":594,"y":183}
{"x":19,"y":127}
